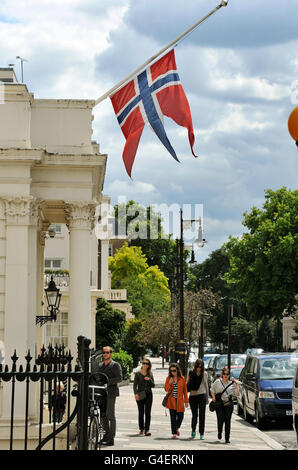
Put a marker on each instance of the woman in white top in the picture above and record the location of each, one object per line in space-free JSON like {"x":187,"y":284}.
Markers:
{"x":224,"y":413}
{"x":197,"y":385}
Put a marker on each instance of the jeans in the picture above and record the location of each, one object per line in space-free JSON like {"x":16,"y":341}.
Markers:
{"x":176,"y":420}
{"x":144,"y":407}
{"x":224,"y":415}
{"x":198,"y":406}
{"x":109,"y":419}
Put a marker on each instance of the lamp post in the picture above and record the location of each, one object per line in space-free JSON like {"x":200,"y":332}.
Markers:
{"x":230,"y":316}
{"x":22,"y":60}
{"x":53,"y":297}
{"x":200,"y":242}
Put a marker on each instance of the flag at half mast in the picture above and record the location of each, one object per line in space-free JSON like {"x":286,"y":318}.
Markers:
{"x":155,"y":92}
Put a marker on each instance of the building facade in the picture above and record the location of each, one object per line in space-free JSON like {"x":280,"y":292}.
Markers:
{"x":51,"y":173}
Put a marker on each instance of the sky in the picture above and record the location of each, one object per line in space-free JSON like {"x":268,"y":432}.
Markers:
{"x":239,"y":71}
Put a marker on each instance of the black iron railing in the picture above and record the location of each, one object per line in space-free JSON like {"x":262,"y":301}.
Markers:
{"x":56,"y":380}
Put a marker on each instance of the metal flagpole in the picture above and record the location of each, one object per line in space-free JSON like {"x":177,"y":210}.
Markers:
{"x":223,"y":3}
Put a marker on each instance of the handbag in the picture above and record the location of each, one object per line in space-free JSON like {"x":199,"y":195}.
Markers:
{"x":218,"y":403}
{"x":165,"y":399}
{"x":142,"y":395}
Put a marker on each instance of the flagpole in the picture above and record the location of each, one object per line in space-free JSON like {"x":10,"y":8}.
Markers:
{"x":224,"y":3}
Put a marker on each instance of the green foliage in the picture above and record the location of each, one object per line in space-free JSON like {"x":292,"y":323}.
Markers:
{"x":242,"y":333}
{"x":110,"y":325}
{"x":130,"y":343}
{"x":147,"y":287}
{"x":263,"y":263}
{"x":143,"y":227}
{"x":126,"y":362}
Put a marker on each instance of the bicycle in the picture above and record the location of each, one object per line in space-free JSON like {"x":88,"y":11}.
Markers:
{"x":96,"y":409}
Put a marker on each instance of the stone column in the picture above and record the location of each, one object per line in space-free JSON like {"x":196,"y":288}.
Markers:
{"x":105,"y":264}
{"x":20,"y":281}
{"x":80,"y":221}
{"x":41,"y":238}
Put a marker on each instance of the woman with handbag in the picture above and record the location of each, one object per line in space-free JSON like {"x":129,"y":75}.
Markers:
{"x":197,"y":385}
{"x":175,"y":386}
{"x":142,"y":386}
{"x":223,"y":390}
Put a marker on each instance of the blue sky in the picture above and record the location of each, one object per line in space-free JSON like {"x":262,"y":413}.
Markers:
{"x":237,"y":70}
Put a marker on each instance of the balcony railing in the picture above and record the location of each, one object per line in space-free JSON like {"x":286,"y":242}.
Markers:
{"x":61,"y":280}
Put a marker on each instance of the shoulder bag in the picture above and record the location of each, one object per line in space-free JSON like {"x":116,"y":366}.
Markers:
{"x":215,"y":405}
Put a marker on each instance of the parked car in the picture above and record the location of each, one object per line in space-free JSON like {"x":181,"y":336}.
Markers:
{"x":220,"y":361}
{"x":209,"y":368}
{"x":265,"y":386}
{"x":193,"y":356}
{"x":207,"y":357}
{"x":295,"y":402}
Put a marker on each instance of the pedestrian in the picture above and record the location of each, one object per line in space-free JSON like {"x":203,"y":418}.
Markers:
{"x":58,"y":403}
{"x":224,"y":389}
{"x":197,"y":385}
{"x":142,"y":386}
{"x":113,"y":371}
{"x":175,"y":386}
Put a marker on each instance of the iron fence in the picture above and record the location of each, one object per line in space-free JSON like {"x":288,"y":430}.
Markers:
{"x":56,"y":381}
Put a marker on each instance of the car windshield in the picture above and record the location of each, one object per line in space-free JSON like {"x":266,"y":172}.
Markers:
{"x":236,"y":361}
{"x":206,"y":360}
{"x":278,"y":368}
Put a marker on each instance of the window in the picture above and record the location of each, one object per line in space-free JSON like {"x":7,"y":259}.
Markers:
{"x":53,"y":263}
{"x":278,"y":368}
{"x":56,"y":228}
{"x":57,"y":332}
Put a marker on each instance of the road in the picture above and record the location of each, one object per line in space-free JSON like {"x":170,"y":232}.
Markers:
{"x":284,"y":434}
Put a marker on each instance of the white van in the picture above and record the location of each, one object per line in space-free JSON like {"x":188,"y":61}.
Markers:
{"x":295,"y":402}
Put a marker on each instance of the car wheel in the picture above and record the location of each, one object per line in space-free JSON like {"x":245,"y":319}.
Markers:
{"x":260,"y":422}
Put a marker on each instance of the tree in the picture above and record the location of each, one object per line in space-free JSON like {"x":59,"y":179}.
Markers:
{"x":143,"y":228}
{"x":210,"y":275}
{"x":110,"y":324}
{"x":263,"y":263}
{"x":130,"y":343}
{"x":147,"y":287}
{"x":164,"y":329}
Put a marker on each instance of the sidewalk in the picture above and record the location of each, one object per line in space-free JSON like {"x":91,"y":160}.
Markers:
{"x":244,"y":436}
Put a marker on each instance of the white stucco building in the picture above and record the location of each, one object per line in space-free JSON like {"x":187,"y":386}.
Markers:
{"x":51,"y":172}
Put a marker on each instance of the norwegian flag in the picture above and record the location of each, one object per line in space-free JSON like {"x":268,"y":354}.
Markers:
{"x":155,"y":92}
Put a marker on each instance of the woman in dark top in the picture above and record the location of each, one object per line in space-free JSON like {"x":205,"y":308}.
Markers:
{"x":197,"y":385}
{"x":142,"y":386}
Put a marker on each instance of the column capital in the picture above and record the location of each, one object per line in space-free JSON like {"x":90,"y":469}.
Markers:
{"x":21,"y":210}
{"x":80,"y":214}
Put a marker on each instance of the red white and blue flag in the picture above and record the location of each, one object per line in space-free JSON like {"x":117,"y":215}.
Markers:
{"x":155,"y":92}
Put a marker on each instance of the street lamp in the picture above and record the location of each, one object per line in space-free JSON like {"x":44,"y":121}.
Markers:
{"x":53,"y":297}
{"x":184,"y":224}
{"x":22,"y":66}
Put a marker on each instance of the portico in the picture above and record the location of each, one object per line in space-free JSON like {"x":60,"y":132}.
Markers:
{"x":50,"y":172}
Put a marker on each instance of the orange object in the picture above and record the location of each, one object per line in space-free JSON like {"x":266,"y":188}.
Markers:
{"x":293,"y":124}
{"x":182,"y":396}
